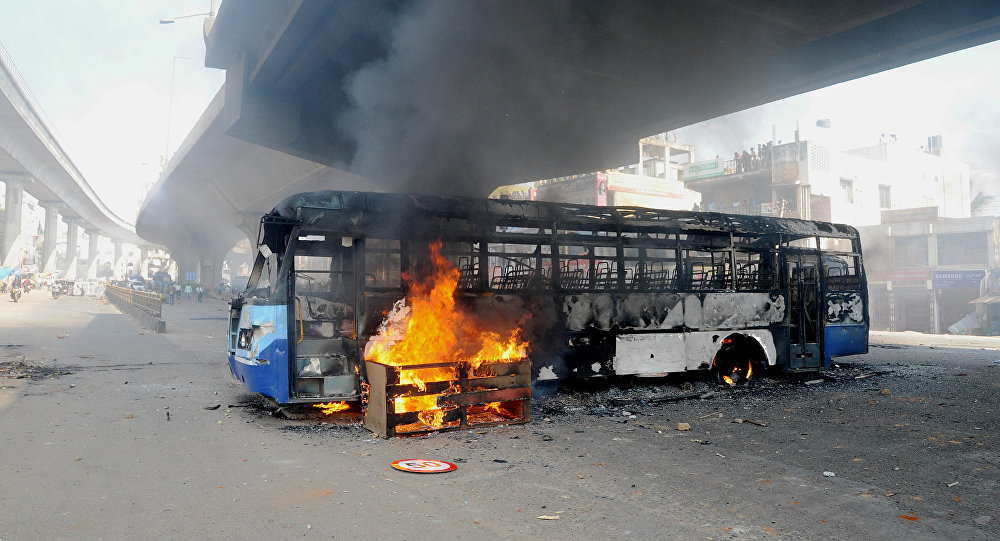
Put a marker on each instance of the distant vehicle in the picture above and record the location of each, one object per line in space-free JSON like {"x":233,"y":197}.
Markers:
{"x":161,"y":279}
{"x":58,"y":287}
{"x":137,"y":284}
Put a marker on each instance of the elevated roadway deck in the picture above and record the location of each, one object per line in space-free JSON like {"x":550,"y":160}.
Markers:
{"x":32,"y":161}
{"x":453,"y":99}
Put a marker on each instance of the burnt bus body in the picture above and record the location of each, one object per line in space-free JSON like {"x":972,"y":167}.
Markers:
{"x":609,"y":290}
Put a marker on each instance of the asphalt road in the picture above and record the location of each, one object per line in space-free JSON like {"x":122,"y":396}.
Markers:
{"x":90,"y":452}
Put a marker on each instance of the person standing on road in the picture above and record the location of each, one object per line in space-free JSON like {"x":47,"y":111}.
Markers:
{"x":187,"y":291}
{"x":177,"y":291}
{"x":201,"y":292}
{"x":170,"y":293}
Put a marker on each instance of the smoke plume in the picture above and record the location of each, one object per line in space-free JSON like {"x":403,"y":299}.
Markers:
{"x":488,"y":80}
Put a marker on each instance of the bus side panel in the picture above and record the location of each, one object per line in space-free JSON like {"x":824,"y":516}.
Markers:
{"x":846,"y":330}
{"x":845,"y":340}
{"x":645,"y":329}
{"x":664,"y":311}
{"x":261,"y":358}
{"x":651,"y":354}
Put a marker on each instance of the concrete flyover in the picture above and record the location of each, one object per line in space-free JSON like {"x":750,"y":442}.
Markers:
{"x":33,"y":162}
{"x":446,"y":97}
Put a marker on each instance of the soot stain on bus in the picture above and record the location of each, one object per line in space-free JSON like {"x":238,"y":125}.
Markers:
{"x":598,"y":291}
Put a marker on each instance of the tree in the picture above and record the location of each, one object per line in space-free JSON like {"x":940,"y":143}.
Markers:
{"x":980,"y":203}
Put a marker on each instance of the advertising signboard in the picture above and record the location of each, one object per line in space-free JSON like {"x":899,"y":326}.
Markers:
{"x":704,"y":169}
{"x":602,"y":189}
{"x":962,"y":278}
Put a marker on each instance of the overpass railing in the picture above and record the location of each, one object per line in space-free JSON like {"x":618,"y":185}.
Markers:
{"x":147,"y":307}
{"x":7,"y":64}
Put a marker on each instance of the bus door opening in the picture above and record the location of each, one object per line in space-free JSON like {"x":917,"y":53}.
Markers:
{"x":804,"y":321}
{"x":324,"y":332}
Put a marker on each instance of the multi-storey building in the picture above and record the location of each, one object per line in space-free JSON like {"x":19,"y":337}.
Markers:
{"x":805,"y":179}
{"x":652,"y":182}
{"x":925,"y":257}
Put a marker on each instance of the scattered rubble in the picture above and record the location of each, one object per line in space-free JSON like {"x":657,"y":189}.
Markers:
{"x":647,"y":396}
{"x":19,"y":369}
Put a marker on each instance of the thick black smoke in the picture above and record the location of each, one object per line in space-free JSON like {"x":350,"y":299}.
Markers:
{"x":473,"y":94}
{"x":486,"y":81}
{"x":467,"y":89}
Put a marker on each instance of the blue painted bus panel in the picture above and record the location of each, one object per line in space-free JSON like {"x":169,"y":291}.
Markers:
{"x":263,"y":367}
{"x":845,"y":340}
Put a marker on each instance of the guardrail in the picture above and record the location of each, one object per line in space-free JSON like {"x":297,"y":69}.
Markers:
{"x":148,"y":307}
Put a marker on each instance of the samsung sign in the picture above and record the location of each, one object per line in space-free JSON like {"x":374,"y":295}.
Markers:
{"x":943,"y":279}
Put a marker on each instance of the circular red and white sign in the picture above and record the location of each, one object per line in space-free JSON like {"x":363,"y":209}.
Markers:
{"x":423,"y":465}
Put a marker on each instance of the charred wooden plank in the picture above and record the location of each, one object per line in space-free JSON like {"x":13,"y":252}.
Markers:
{"x":432,"y":387}
{"x":411,"y":417}
{"x":500,"y":382}
{"x":502,"y":369}
{"x":378,"y":404}
{"x":483,"y":397}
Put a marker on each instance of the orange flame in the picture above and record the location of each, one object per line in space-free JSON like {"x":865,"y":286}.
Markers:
{"x":429,"y":329}
{"x":730,"y":381}
{"x":329,"y":408}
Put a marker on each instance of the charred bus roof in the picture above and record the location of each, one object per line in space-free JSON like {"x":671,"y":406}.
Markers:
{"x":369,"y":214}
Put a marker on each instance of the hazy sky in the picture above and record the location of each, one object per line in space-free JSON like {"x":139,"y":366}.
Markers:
{"x":101,"y":71}
{"x":955,"y":96}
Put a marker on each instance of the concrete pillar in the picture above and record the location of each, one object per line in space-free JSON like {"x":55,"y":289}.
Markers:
{"x":211,"y":271}
{"x":117,"y":270}
{"x":187,"y":269}
{"x":50,"y":234}
{"x":205,"y":272}
{"x":933,"y":262}
{"x":93,"y":236}
{"x":217,"y":272}
{"x":144,"y":262}
{"x":72,"y":239}
{"x":14,"y":201}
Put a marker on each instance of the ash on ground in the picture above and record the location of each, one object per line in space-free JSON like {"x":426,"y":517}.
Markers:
{"x":644,"y":396}
{"x":300,"y":417}
{"x":19,"y":369}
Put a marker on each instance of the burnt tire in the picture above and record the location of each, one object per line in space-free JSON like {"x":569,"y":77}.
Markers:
{"x":734,"y":373}
{"x":738,"y":363}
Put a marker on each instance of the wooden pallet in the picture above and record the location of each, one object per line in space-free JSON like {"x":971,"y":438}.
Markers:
{"x":463,"y":398}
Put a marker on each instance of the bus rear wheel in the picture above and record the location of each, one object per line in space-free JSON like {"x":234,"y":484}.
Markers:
{"x":733,"y":373}
{"x":734,"y":365}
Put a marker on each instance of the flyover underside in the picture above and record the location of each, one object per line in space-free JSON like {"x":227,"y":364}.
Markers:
{"x":219,"y":186}
{"x":457,"y":98}
{"x":405,"y":92}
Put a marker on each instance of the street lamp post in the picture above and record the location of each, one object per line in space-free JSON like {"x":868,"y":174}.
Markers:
{"x":170,"y":106}
{"x":173,"y":70}
{"x":172,"y":20}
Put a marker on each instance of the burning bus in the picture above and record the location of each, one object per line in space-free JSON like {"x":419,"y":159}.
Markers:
{"x":441,"y":311}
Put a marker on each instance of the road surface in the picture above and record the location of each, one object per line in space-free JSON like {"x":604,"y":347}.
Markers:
{"x":106,"y":436}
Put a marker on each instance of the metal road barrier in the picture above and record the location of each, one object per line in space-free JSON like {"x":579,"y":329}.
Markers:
{"x":147,"y":307}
